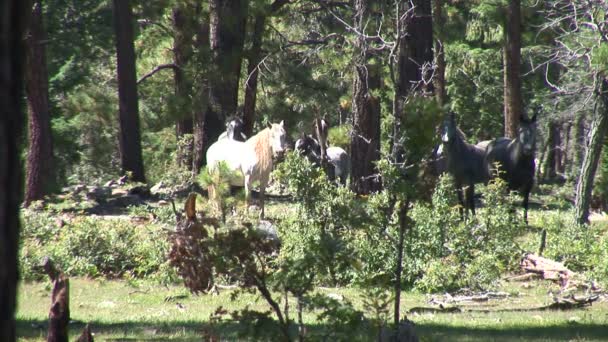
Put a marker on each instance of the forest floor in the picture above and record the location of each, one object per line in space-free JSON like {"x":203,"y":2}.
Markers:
{"x":144,"y":311}
{"x":141,"y":310}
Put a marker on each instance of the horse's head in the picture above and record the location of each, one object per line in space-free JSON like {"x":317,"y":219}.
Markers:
{"x":278,"y":138}
{"x":448,"y":129}
{"x":527,"y":134}
{"x":235,"y":129}
{"x":309,"y":147}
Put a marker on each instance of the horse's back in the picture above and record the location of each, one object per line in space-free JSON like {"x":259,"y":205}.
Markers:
{"x":238,"y":157}
{"x":341,"y":161}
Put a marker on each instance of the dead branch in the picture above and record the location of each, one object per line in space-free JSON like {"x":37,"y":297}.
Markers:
{"x":157,"y":69}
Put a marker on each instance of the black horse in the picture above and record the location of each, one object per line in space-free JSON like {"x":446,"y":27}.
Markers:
{"x":464,"y":161}
{"x":235,"y":129}
{"x":515,"y":159}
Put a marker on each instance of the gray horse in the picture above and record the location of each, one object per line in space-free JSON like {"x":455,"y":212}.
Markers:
{"x":464,"y":161}
{"x":337,"y":158}
{"x":515,"y":159}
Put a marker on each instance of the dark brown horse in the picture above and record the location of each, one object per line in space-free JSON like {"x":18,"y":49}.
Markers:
{"x":464,"y":161}
{"x":513,"y":159}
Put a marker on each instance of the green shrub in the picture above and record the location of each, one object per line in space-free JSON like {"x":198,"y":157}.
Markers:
{"x":93,"y":247}
{"x":475,"y":250}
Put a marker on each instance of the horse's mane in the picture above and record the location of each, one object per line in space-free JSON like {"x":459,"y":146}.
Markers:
{"x":461,"y":134}
{"x":262,"y":146}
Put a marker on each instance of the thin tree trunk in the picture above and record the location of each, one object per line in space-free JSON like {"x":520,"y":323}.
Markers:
{"x":579,"y":145}
{"x":59,"y":314}
{"x":566,"y":164}
{"x":403,"y":227}
{"x":39,"y":174}
{"x":550,"y":157}
{"x":251,"y":84}
{"x":599,"y":125}
{"x":365,"y":141}
{"x":513,"y":103}
{"x":182,"y":54}
{"x":129,"y":136}
{"x":202,"y":98}
{"x":12,"y":25}
{"x":439,"y":22}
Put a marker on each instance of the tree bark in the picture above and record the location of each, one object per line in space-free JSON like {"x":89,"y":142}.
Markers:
{"x":550,"y":156}
{"x":365,"y":140}
{"x":129,"y":136}
{"x":202,"y":97}
{"x":227,"y":20}
{"x":251,"y":84}
{"x":415,"y":55}
{"x":59,"y":314}
{"x":12,"y":25}
{"x":39,"y":168}
{"x":182,"y":54}
{"x":439,"y":22}
{"x":599,"y":125}
{"x":513,"y":104}
{"x":579,"y":145}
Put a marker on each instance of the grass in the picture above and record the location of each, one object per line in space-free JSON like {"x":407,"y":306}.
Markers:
{"x":119,"y":310}
{"x":138,"y":310}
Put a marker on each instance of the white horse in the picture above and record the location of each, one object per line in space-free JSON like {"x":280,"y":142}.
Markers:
{"x":250,"y":161}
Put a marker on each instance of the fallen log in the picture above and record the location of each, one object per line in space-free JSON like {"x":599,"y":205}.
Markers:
{"x":547,"y":269}
{"x":562,"y":304}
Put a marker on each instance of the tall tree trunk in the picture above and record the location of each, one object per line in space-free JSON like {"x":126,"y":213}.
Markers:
{"x":201,"y":100}
{"x":227,"y":20}
{"x":183,"y":26}
{"x":365,"y":141}
{"x":579,"y":145}
{"x":39,"y":174}
{"x":599,"y":126}
{"x":251,"y":85}
{"x":13,"y":21}
{"x":439,"y":22}
{"x":550,"y":156}
{"x":513,"y":103}
{"x":129,"y":136}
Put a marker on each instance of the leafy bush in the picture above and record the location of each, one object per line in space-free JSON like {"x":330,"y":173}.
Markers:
{"x":93,"y":247}
{"x":448,"y":253}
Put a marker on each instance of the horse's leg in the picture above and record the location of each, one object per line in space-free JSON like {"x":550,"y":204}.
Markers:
{"x":262,"y":195}
{"x":526,"y":195}
{"x":460,"y":200}
{"x":247,"y":190}
{"x":470,"y":195}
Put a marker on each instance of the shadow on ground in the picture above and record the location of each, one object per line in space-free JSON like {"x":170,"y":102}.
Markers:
{"x":230,"y":331}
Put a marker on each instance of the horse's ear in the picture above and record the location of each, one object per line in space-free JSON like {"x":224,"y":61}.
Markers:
{"x":268,"y":124}
{"x":190,"y":206}
{"x":282,"y":123}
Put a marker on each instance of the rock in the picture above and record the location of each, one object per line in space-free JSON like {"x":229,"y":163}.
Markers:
{"x":122,"y":180}
{"x":99,"y":193}
{"x":162,"y":203}
{"x":157,"y":187}
{"x":269,"y":230}
{"x":110,"y":183}
{"x":79,"y":188}
{"x":141,"y":190}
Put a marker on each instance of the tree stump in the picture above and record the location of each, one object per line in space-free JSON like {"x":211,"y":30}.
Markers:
{"x":59,"y":315}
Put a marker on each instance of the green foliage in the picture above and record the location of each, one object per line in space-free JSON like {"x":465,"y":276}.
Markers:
{"x":314,"y":238}
{"x":340,"y":136}
{"x":93,"y":247}
{"x":473,"y":252}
